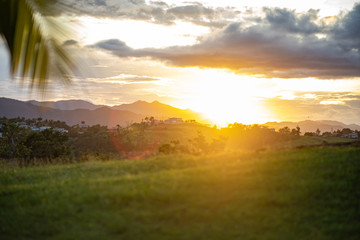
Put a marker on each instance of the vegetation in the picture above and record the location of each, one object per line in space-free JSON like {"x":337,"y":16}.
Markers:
{"x":294,"y":194}
{"x":46,"y":140}
{"x":34,"y":40}
{"x":185,"y":181}
{"x":23,"y":143}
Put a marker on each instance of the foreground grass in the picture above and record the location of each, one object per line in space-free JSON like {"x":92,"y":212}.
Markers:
{"x":295,"y":194}
{"x":307,"y":141}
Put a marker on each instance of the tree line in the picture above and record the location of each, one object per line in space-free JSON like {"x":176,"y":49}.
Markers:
{"x":55,"y":139}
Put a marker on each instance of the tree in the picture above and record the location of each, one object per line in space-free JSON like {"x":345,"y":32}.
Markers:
{"x":152,"y":120}
{"x":309,"y":134}
{"x":33,"y":41}
{"x":284,"y":130}
{"x":12,"y":141}
{"x":199,"y":144}
{"x":47,"y":144}
{"x":295,"y":132}
{"x":346,"y":131}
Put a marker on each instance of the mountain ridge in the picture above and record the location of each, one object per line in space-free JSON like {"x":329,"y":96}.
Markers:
{"x":66,"y":104}
{"x":97,"y":114}
{"x":157,"y":109}
{"x":312,"y":125}
{"x":126,"y":114}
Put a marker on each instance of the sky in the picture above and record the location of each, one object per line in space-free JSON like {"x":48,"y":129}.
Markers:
{"x":234,"y":61}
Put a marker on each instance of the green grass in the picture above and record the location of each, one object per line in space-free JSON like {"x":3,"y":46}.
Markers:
{"x":295,"y":194}
{"x":310,"y":141}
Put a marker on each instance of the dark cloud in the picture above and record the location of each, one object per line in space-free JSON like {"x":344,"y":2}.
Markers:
{"x":70,"y":42}
{"x":283,"y":44}
{"x":100,"y":2}
{"x":115,"y":45}
{"x":191,"y":11}
{"x":347,"y":30}
{"x":288,"y":21}
{"x":155,"y":11}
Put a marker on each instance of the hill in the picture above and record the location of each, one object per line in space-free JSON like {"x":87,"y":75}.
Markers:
{"x":311,"y":126}
{"x":90,"y":113}
{"x":66,"y":104}
{"x":75,"y":111}
{"x":275,"y":195}
{"x":158,"y":110}
{"x":11,"y":108}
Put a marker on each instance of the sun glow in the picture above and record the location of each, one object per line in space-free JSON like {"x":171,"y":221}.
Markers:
{"x":226,"y":98}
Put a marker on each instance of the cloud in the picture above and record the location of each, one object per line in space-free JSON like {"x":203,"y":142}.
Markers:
{"x":191,"y":11}
{"x":134,"y":79}
{"x":115,"y":45}
{"x":282,"y":44}
{"x":300,"y":108}
{"x":70,"y":42}
{"x":154,"y":11}
{"x":347,"y":29}
{"x":100,"y":2}
{"x":288,"y":21}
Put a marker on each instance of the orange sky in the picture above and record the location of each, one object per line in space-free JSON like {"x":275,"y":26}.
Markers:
{"x":249,"y":62}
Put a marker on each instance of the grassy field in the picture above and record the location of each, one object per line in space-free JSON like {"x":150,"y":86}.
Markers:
{"x":306,"y":141}
{"x":290,"y":194}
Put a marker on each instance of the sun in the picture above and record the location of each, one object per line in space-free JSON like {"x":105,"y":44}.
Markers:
{"x":225,"y":98}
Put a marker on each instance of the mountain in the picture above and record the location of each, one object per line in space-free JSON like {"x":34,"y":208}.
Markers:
{"x":311,"y":126}
{"x":66,"y":104}
{"x":75,"y":111}
{"x":158,"y":110}
{"x":11,"y":108}
{"x":102,"y":115}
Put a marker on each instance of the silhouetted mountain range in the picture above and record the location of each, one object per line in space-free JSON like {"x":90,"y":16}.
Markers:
{"x":75,"y":111}
{"x":66,"y":104}
{"x":157,"y":109}
{"x":311,"y":126}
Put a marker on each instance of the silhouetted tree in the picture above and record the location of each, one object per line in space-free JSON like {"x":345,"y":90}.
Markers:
{"x":284,"y":130}
{"x":295,"y":131}
{"x":12,"y":141}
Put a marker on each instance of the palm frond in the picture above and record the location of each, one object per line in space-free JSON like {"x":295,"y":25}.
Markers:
{"x":36,"y":52}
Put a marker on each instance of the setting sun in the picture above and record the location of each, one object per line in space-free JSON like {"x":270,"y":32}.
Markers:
{"x":225,"y":98}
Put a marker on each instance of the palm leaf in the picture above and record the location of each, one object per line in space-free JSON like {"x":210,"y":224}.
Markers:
{"x":36,"y":54}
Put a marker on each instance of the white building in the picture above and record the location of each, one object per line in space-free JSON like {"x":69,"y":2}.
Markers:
{"x":36,"y":129}
{"x":83,"y":125}
{"x":173,"y":121}
{"x":44,"y":128}
{"x":351,"y":135}
{"x":62,"y":130}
